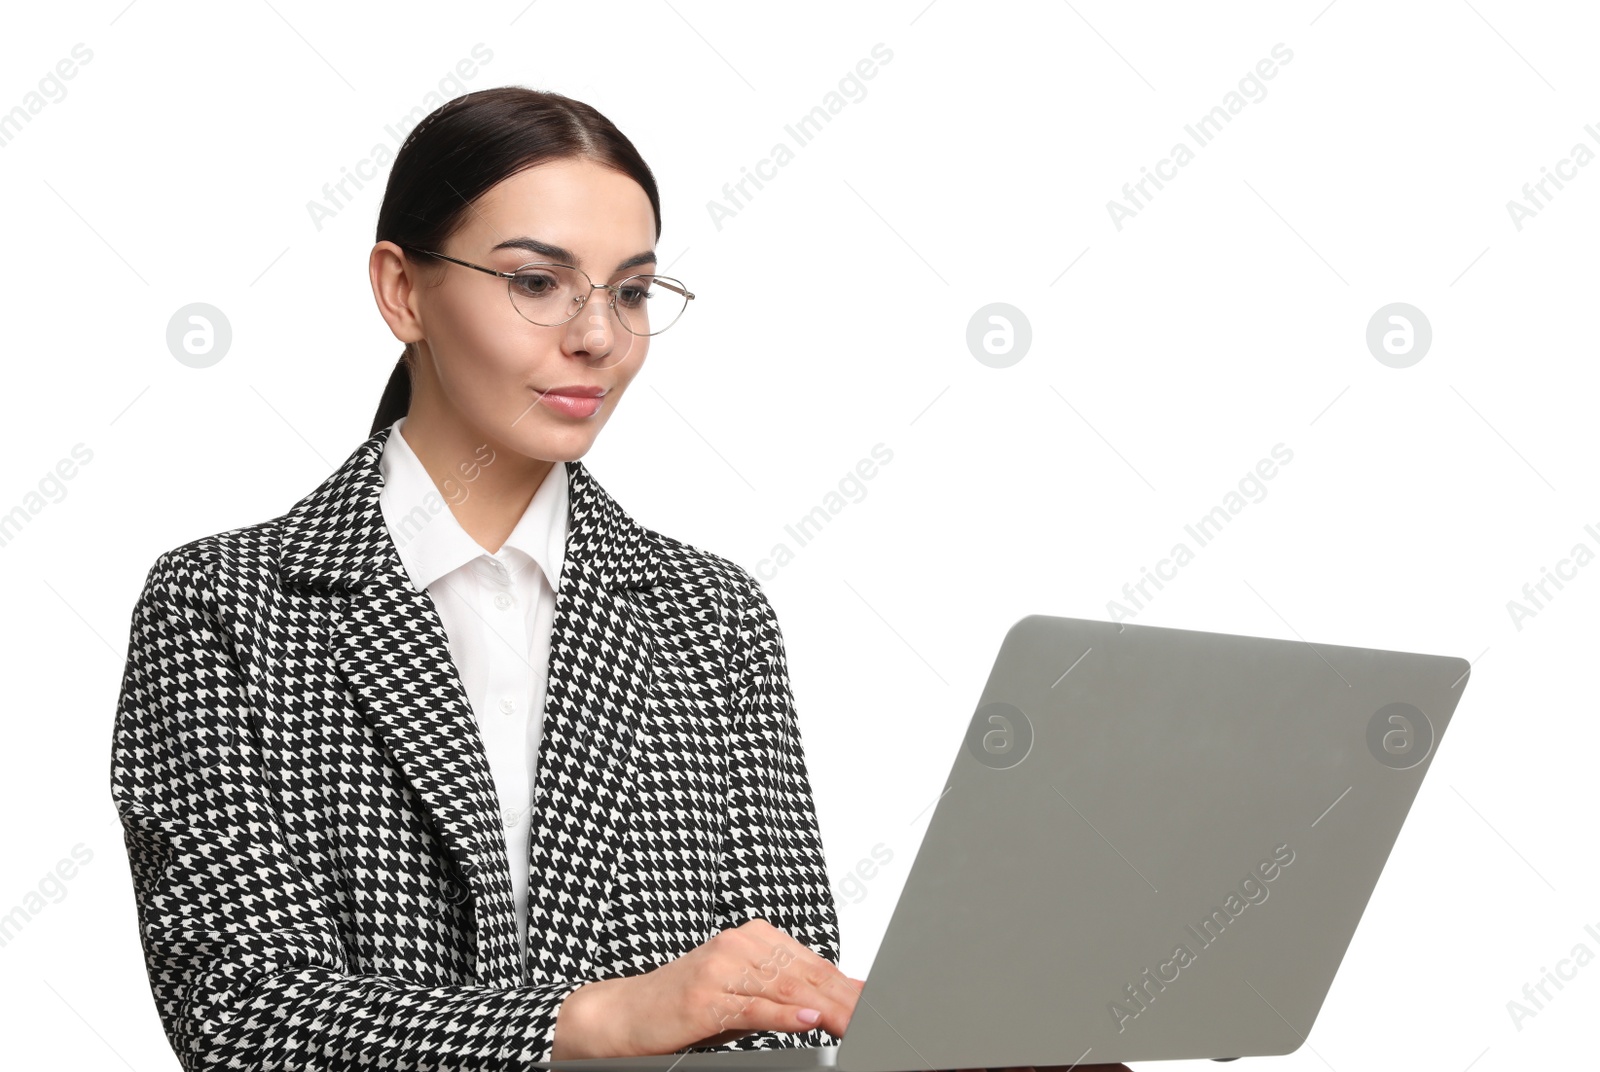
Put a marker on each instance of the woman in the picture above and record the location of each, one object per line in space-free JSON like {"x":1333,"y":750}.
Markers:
{"x":314,"y":792}
{"x":454,"y":764}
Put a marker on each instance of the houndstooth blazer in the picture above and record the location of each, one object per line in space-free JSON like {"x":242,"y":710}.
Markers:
{"x":312,"y":827}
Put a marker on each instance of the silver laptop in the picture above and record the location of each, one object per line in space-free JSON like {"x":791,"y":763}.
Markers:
{"x":1153,"y":844}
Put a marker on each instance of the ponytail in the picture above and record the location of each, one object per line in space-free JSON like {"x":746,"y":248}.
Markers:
{"x":396,"y":399}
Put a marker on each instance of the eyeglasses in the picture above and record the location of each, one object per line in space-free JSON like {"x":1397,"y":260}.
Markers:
{"x":550,"y":294}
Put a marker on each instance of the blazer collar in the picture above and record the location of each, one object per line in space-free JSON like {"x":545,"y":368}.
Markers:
{"x":389,"y":646}
{"x":335,"y":536}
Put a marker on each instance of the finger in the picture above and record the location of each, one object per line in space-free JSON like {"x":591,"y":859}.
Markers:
{"x":836,"y":1003}
{"x":754,"y":1012}
{"x":782,"y":996}
{"x":835,"y":1000}
{"x":833,"y":993}
{"x":840,"y":987}
{"x":803,"y":978}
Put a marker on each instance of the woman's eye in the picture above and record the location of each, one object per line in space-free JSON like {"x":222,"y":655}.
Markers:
{"x":535,"y":284}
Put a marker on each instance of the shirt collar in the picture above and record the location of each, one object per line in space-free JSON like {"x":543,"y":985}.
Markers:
{"x":432,"y":543}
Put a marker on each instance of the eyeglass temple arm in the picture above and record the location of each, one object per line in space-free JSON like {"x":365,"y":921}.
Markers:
{"x":512,"y":275}
{"x":464,"y":264}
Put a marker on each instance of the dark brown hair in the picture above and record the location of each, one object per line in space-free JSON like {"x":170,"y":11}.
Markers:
{"x":467,"y":145}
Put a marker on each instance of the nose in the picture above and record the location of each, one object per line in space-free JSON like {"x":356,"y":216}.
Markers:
{"x":593,"y":324}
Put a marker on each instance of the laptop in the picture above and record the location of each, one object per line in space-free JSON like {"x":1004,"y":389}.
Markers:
{"x":1153,"y":844}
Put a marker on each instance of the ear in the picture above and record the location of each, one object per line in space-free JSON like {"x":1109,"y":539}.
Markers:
{"x":395,"y":281}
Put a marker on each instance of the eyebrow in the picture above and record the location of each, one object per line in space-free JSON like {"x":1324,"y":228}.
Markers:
{"x":560,"y":253}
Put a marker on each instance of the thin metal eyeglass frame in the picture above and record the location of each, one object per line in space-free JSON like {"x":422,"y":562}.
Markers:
{"x":612,"y":288}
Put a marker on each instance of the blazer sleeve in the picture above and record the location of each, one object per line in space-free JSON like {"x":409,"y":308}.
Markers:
{"x":245,"y":965}
{"x":773,"y":861}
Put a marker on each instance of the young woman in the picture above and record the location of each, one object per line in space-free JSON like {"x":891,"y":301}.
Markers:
{"x":454,"y":764}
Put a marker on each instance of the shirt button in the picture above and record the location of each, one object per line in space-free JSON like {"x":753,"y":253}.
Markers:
{"x":502,"y":600}
{"x":512,"y":819}
{"x":506,"y":706}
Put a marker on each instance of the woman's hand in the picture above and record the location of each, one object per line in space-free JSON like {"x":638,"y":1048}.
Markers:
{"x":753,"y":977}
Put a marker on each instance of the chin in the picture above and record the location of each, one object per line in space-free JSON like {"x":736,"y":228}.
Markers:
{"x":559,"y":446}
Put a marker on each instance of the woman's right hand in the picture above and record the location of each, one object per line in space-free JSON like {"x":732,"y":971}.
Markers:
{"x":753,"y":977}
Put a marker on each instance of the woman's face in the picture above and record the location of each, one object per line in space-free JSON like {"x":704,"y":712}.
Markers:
{"x":495,"y":371}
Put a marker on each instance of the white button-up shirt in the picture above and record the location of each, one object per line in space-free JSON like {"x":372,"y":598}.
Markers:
{"x":497,"y":611}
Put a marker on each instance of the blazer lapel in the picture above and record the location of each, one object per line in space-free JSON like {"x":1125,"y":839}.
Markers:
{"x":602,"y":654}
{"x":389,"y":645}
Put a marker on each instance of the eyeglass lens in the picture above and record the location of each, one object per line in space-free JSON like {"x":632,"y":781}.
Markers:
{"x":549,"y":294}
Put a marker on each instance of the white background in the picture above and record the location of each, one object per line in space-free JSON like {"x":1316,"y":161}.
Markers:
{"x":1227,"y":316}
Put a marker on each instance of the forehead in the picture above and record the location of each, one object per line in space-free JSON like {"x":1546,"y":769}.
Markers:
{"x":598,"y":213}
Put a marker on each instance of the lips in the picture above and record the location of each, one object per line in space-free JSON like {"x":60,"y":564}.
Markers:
{"x":576,"y":390}
{"x":569,"y":405}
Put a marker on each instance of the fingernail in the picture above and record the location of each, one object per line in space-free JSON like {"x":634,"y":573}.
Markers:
{"x":810,"y":1016}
